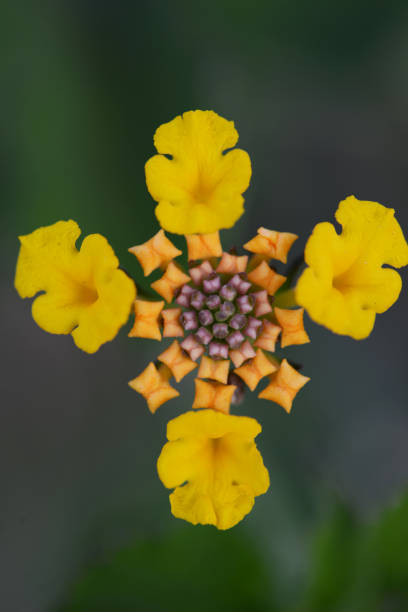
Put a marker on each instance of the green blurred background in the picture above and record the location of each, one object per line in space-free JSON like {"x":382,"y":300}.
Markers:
{"x":318,"y":91}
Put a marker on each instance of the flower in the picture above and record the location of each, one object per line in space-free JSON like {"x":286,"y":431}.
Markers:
{"x":221,"y":312}
{"x":346,"y":285}
{"x":198,"y":186}
{"x":85,"y":294}
{"x":212,"y":462}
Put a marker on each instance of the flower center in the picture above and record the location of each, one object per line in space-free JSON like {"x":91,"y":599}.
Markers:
{"x":221,"y":313}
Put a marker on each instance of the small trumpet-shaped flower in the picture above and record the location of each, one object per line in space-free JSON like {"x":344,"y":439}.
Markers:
{"x":199,"y":190}
{"x":346,"y":285}
{"x":212,"y":462}
{"x":85,"y":294}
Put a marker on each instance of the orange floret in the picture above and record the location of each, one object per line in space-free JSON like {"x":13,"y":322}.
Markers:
{"x":171,"y":325}
{"x":146,"y":323}
{"x":274,"y":245}
{"x":203,"y":246}
{"x":177,"y":361}
{"x":154,"y":386}
{"x":268,"y":336}
{"x":266,"y":278}
{"x":257,"y":368}
{"x":231,"y":264}
{"x":172,"y":279}
{"x":284,"y":385}
{"x":291,"y":322}
{"x":155,"y":252}
{"x":213,"y":395}
{"x":244,"y":352}
{"x":214,"y":369}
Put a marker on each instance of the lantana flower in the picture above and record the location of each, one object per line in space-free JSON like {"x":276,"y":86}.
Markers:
{"x":225,"y":329}
{"x":221,"y":315}
{"x":197,"y":184}
{"x":346,"y":284}
{"x":212,"y":462}
{"x":85,"y":294}
{"x":228,"y":316}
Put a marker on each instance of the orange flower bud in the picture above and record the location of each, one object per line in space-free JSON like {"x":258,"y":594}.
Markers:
{"x":172,"y":279}
{"x":231,"y":264}
{"x":291,"y":322}
{"x":155,"y":252}
{"x":154,"y":387}
{"x":266,"y":278}
{"x":213,"y":395}
{"x":171,"y":325}
{"x":245,"y":351}
{"x":257,"y":368}
{"x":146,"y":323}
{"x":284,"y":385}
{"x":268,"y":336}
{"x":177,"y":361}
{"x":203,"y":246}
{"x":214,"y":369}
{"x":274,"y":245}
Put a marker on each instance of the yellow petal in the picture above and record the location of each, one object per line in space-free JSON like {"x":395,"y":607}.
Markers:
{"x":199,"y":189}
{"x":215,"y":458}
{"x":345,"y":285}
{"x":85,"y":292}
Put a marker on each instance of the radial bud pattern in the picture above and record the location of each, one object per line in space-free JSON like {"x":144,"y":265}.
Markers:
{"x":224,"y":315}
{"x":220,"y":303}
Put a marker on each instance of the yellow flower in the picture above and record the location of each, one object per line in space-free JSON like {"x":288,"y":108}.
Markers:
{"x":84,"y":292}
{"x":199,"y":190}
{"x":346,"y":283}
{"x":212,"y":462}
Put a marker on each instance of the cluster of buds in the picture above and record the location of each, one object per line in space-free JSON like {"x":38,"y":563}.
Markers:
{"x":223,"y":311}
{"x":222,"y":314}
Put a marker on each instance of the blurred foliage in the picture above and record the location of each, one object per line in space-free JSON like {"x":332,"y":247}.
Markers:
{"x":354,"y":567}
{"x":193,"y":569}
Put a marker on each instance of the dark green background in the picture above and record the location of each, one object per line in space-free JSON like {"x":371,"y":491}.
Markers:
{"x":319,"y":94}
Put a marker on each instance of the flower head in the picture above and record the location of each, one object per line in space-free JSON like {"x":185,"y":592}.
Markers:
{"x":212,"y":462}
{"x":85,"y":294}
{"x":198,"y":186}
{"x":223,"y":315}
{"x":346,"y":285}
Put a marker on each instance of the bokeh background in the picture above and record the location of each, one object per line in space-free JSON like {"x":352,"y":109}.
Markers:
{"x":319,"y":93}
